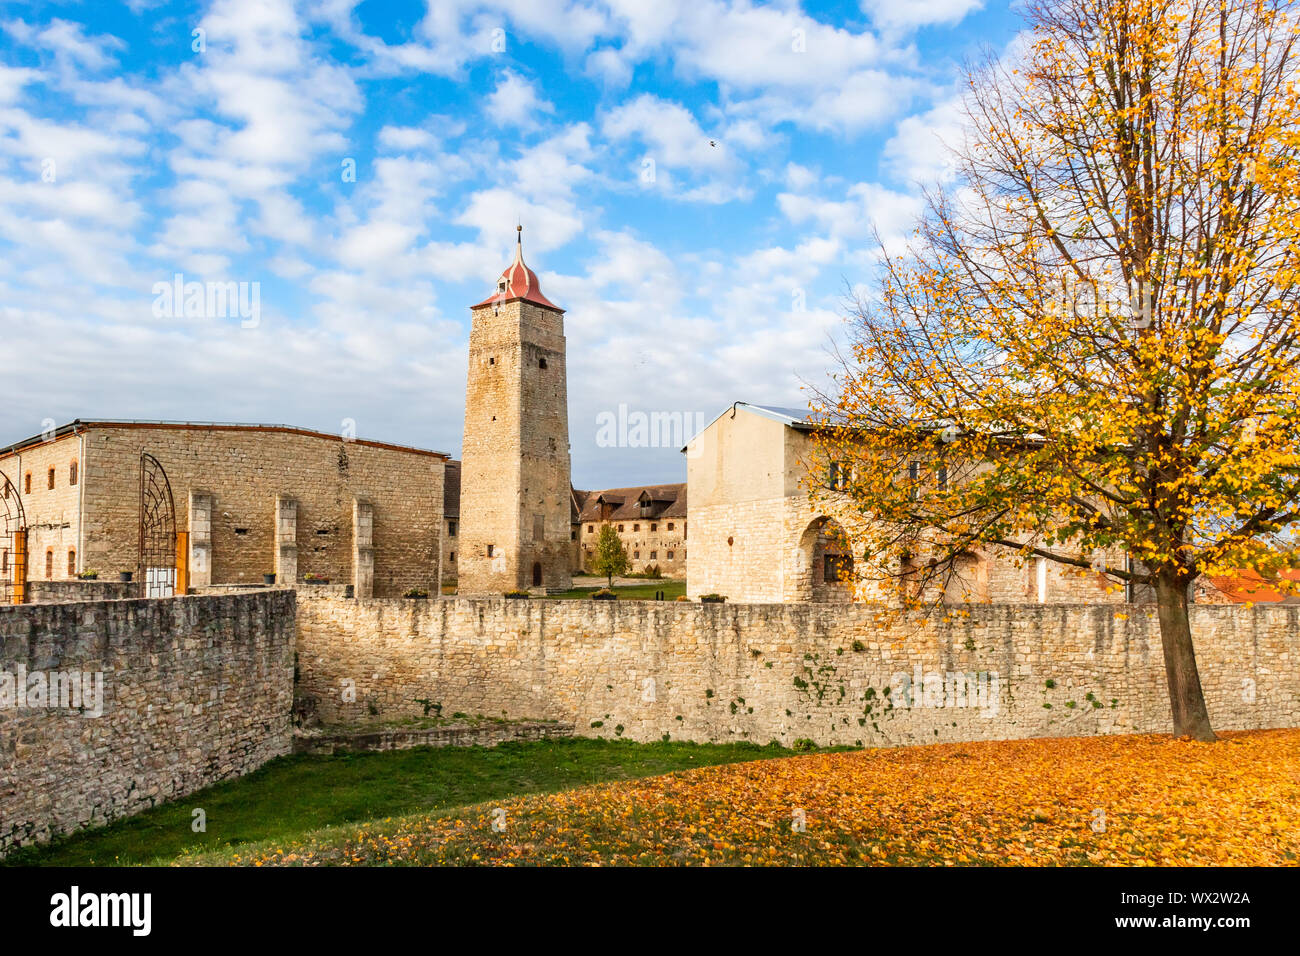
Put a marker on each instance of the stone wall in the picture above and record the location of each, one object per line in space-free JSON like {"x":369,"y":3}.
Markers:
{"x":194,"y":690}
{"x":235,"y":482}
{"x":64,"y":592}
{"x":828,"y":673}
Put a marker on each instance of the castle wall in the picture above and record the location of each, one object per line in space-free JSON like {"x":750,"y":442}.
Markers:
{"x":194,"y":690}
{"x":761,"y":672}
{"x":244,"y":471}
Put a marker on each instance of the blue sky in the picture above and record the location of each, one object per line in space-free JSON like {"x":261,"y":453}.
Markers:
{"x":697,"y":181}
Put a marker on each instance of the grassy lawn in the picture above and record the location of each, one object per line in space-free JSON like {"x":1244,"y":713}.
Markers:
{"x":1113,"y":801}
{"x":630,"y":592}
{"x":291,"y":796}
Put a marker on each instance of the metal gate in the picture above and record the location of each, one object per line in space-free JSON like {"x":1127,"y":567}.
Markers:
{"x":13,"y":544}
{"x":156,"y":568}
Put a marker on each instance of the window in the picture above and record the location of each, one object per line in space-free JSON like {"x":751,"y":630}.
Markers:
{"x":541,"y":363}
{"x":654,"y":526}
{"x":636,"y":554}
{"x":491,"y":549}
{"x":72,"y":564}
{"x":654,"y":555}
{"x":492,"y":360}
{"x":1042,"y":580}
{"x":683,"y":533}
{"x":591,"y":528}
{"x":4,"y":562}
{"x":914,"y":476}
{"x":670,"y":555}
{"x":27,"y":483}
{"x":72,"y":472}
{"x":49,"y":481}
{"x":451,"y":529}
{"x":836,"y":567}
{"x":451,"y":558}
{"x":620,"y":527}
{"x":836,"y":478}
{"x":636,"y":527}
{"x":943,"y":477}
{"x":49,"y":563}
{"x":573,"y":536}
{"x":670,"y":526}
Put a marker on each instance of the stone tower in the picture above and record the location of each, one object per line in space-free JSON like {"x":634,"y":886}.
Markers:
{"x":515,"y":520}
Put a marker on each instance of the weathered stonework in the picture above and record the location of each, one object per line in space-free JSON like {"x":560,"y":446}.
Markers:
{"x":643,"y":670}
{"x":756,"y":536}
{"x":481,"y":735}
{"x":195,"y":690}
{"x":254,"y":499}
{"x":68,"y":592}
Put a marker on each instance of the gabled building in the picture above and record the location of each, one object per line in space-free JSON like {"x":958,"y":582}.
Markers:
{"x":757,"y":535}
{"x":650,"y":521}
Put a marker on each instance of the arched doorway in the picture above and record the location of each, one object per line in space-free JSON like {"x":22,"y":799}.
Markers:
{"x":537,"y":574}
{"x":13,"y":544}
{"x":158,"y":543}
{"x":824,"y":563}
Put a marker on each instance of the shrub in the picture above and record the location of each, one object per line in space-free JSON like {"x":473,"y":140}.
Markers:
{"x":415,"y":593}
{"x":712,"y":598}
{"x":517,"y":595}
{"x":604,"y":594}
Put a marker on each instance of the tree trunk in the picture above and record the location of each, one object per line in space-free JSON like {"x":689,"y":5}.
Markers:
{"x":1191,"y":719}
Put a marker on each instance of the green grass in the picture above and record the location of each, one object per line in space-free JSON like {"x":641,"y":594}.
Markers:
{"x":630,"y":592}
{"x":292,"y":796}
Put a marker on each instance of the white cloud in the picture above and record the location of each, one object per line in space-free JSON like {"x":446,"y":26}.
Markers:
{"x":920,"y":150}
{"x":515,"y":102}
{"x":918,"y":13}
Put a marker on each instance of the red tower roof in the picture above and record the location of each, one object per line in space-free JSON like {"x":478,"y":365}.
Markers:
{"x":518,"y":282}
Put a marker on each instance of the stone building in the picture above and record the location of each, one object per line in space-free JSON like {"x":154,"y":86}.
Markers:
{"x":515,"y":526}
{"x":248,"y":500}
{"x":650,"y":521}
{"x":756,"y":536}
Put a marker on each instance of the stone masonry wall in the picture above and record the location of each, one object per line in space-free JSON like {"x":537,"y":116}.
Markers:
{"x":245,"y":470}
{"x":195,"y":690}
{"x":64,"y":592}
{"x":643,"y":670}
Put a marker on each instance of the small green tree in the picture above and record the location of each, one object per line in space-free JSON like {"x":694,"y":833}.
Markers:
{"x":611,"y":556}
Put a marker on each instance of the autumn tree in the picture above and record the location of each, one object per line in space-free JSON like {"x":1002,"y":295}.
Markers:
{"x":610,"y":558}
{"x":1092,"y":336}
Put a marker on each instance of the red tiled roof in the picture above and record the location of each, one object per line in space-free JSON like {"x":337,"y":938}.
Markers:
{"x":1250,"y":586}
{"x":520,"y":282}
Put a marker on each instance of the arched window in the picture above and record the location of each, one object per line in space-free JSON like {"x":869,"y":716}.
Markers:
{"x":49,"y":564}
{"x":72,"y":563}
{"x":4,"y":562}
{"x":50,"y":480}
{"x":72,"y":472}
{"x":27,"y":483}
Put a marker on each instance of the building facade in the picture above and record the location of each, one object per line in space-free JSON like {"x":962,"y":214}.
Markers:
{"x":250,"y":500}
{"x":757,"y":535}
{"x":516,"y":515}
{"x":650,"y":520}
